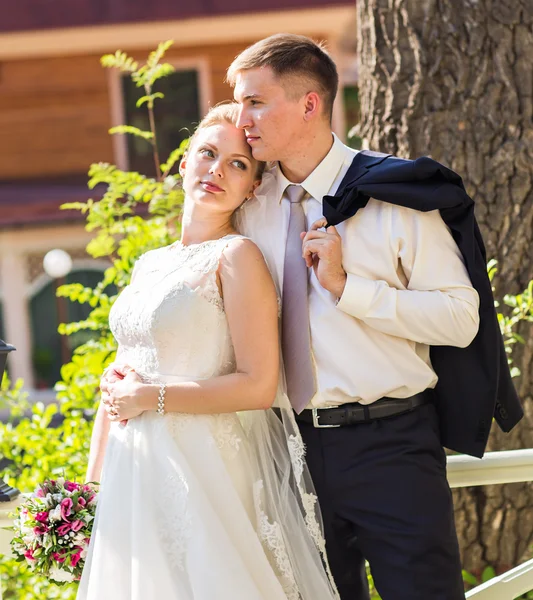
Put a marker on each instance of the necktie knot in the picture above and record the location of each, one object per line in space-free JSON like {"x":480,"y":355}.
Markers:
{"x":295,"y":193}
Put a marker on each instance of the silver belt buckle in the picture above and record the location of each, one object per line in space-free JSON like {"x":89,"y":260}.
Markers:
{"x":316,"y":424}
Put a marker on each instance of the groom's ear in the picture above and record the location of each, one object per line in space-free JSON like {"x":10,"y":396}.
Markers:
{"x":312,"y":105}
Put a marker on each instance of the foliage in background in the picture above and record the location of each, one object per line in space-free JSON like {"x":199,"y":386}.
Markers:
{"x":521,"y":307}
{"x":135,"y":214}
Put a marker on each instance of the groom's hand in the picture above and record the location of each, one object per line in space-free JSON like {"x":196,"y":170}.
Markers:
{"x":322,"y":250}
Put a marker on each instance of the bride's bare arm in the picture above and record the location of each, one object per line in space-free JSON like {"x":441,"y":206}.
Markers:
{"x":251,"y":307}
{"x":98,"y":444}
{"x":113,"y":373}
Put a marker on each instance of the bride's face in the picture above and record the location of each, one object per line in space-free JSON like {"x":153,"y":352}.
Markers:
{"x":219,"y":170}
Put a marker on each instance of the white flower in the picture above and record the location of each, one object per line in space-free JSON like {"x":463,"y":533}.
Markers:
{"x":55,"y":514}
{"x":58,"y":497}
{"x":47,"y":541}
{"x":60,"y":481}
{"x":60,"y":575}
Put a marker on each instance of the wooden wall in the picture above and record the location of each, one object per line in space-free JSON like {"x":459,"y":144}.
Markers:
{"x":55,"y":112}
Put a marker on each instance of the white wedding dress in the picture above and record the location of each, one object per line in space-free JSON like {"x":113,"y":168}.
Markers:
{"x":198,"y":507}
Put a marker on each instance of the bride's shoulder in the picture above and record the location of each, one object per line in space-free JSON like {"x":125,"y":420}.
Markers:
{"x":238,"y":248}
{"x":243,"y":262}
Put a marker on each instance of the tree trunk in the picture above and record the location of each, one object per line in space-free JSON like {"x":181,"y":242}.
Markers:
{"x":454,"y":79}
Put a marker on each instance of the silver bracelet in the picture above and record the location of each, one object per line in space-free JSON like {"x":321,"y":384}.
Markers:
{"x":161,"y":399}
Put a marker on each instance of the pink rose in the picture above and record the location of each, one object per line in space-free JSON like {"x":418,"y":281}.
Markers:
{"x":42,"y":517}
{"x":66,"y":508}
{"x":76,"y":525}
{"x":39,"y":493}
{"x":81,"y":502}
{"x":60,"y":558}
{"x":71,"y":486}
{"x":64,"y":529}
{"x":75,"y":558}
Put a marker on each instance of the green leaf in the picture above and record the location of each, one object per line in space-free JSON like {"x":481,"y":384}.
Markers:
{"x":174,"y":157}
{"x":469,"y":578}
{"x":120,"y":60}
{"x":149,"y":99}
{"x":488,"y":573}
{"x":128,"y":129}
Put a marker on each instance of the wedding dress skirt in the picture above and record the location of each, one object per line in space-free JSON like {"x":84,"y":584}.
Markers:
{"x":198,"y":507}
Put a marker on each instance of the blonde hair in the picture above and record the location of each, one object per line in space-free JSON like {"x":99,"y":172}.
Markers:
{"x":225,"y":112}
{"x":290,"y":55}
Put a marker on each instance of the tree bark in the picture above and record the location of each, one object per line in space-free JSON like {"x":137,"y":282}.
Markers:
{"x":454,"y":79}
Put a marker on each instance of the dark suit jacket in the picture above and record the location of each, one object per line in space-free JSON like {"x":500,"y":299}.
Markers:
{"x":474,"y":382}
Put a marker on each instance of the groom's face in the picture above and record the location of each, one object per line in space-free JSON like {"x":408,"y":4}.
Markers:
{"x":271,"y":119}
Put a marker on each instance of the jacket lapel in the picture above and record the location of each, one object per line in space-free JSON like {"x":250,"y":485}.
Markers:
{"x":347,"y":201}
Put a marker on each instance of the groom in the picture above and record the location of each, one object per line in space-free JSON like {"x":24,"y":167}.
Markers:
{"x":357,"y":327}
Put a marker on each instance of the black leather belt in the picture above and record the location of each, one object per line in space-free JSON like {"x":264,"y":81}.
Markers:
{"x":354,"y":412}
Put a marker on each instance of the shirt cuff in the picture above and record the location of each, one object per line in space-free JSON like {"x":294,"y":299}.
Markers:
{"x":357,"y":296}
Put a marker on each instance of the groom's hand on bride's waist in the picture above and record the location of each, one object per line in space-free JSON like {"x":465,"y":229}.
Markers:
{"x":322,"y":250}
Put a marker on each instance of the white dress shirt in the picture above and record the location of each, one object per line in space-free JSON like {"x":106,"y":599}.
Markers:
{"x":407,"y":288}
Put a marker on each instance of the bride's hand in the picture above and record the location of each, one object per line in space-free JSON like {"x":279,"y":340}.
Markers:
{"x":114,"y":372}
{"x":122,"y":398}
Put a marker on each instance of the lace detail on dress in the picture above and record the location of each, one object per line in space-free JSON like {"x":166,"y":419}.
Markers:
{"x":210,"y":291}
{"x":296,"y":448}
{"x":176,"y":527}
{"x":297,"y":453}
{"x":177,"y":422}
{"x":225,"y":433}
{"x":271,"y":537}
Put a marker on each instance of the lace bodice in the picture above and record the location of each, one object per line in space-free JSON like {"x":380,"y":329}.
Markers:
{"x":170,"y":321}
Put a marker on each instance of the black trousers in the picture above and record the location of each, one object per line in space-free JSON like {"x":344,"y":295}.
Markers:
{"x":384,"y":497}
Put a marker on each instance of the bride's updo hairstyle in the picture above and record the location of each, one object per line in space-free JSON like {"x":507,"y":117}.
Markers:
{"x":226,"y":112}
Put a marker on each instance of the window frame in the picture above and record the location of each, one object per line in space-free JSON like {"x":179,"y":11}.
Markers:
{"x":117,"y":104}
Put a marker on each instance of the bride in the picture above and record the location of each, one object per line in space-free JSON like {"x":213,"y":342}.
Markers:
{"x":205,"y":494}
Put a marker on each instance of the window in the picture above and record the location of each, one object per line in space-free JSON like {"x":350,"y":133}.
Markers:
{"x":49,"y":347}
{"x":176,"y":116}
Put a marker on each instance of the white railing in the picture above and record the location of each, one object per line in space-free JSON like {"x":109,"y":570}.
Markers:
{"x":513,"y":466}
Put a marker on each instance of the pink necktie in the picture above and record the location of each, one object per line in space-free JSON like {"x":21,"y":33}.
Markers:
{"x":295,"y":335}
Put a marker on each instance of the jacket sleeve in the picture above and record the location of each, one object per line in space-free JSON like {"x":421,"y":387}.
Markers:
{"x":437,"y":305}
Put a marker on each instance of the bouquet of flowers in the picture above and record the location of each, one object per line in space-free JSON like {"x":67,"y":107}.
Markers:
{"x":53,"y":529}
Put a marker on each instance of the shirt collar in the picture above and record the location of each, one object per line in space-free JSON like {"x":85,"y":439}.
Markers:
{"x":319,"y":182}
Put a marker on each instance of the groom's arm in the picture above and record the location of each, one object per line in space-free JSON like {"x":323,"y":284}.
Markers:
{"x":439,"y":305}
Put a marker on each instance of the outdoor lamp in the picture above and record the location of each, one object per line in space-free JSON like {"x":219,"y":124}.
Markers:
{"x":5,"y":349}
{"x":7,"y":493}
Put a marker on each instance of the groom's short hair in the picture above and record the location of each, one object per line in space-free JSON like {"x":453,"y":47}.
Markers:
{"x":290,"y":55}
